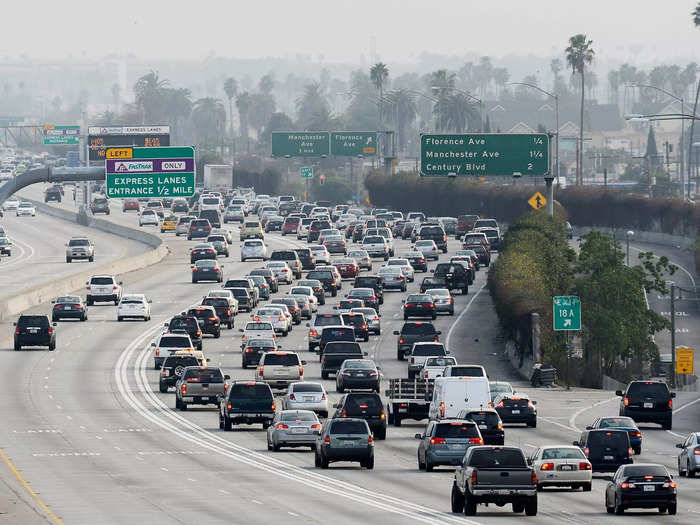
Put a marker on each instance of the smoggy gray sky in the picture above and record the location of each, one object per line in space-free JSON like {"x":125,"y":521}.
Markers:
{"x":643,"y":31}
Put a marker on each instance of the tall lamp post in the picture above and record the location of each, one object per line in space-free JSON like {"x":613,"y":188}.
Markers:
{"x":629,"y":234}
{"x":682,"y":145}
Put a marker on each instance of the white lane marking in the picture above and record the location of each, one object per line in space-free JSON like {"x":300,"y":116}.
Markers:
{"x":692,"y":280}
{"x":683,"y":407}
{"x":567,"y":427}
{"x":572,"y":419}
{"x":462,"y":314}
{"x":222,"y":491}
{"x":215,"y":443}
{"x":164,"y":469}
{"x":292,"y":513}
{"x":256,"y":502}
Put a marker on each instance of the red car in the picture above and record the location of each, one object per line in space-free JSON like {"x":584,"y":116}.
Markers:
{"x":131,"y":204}
{"x":347,"y":268}
{"x":290,"y":226}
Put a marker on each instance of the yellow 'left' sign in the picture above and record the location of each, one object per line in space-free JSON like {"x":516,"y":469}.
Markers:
{"x":119,"y":153}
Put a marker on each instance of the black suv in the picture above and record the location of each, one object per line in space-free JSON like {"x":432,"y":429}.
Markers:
{"x":306,"y":257}
{"x":249,"y":285}
{"x":208,"y":320}
{"x":247,"y":402}
{"x":172,"y":369}
{"x":99,"y":205}
{"x":34,"y":330}
{"x":223,"y":310}
{"x":52,"y":194}
{"x":414,"y":332}
{"x":188,"y":324}
{"x":199,"y":229}
{"x":364,"y":405}
{"x":326,"y":278}
{"x":648,"y":402}
{"x":252,"y":350}
{"x":607,"y":450}
{"x":434,"y":233}
{"x":371,"y":281}
{"x":315,"y":230}
{"x":489,"y":423}
{"x":456,"y":276}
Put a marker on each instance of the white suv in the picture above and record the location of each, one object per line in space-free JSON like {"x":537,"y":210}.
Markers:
{"x":103,"y":288}
{"x":134,"y":306}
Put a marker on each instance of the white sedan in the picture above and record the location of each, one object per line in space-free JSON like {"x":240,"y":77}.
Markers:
{"x":25,"y":208}
{"x":148,"y":217}
{"x":405,"y":266}
{"x":562,"y":466}
{"x":134,"y":306}
{"x":428,"y":248}
{"x":281,"y":271}
{"x":10,"y":204}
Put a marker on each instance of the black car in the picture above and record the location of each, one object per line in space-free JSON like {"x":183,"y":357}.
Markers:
{"x":274,"y":224}
{"x":407,"y":230}
{"x":269,"y":276}
{"x":482,"y":252}
{"x":648,"y":402}
{"x":207,"y":270}
{"x":418,"y":305}
{"x":367,"y":295}
{"x":357,"y":374}
{"x":326,"y":278}
{"x":345,"y":440}
{"x":317,"y":287}
{"x":414,"y":332}
{"x":364,"y":405}
{"x":359,"y":323}
{"x":262,"y":286}
{"x":335,"y":333}
{"x":607,"y":450}
{"x":99,"y":205}
{"x":247,"y":402}
{"x":223,"y":310}
{"x":202,"y":251}
{"x":172,"y":369}
{"x":306,"y":257}
{"x":199,"y":229}
{"x":213,"y":217}
{"x":418,"y":261}
{"x":641,"y":486}
{"x":53,"y":194}
{"x":516,"y":408}
{"x":254,"y":349}
{"x":34,"y":330}
{"x":207,"y":318}
{"x":242,"y":295}
{"x":371,"y":281}
{"x":69,"y":307}
{"x":189,"y":325}
{"x":489,"y":423}
{"x":180,"y":206}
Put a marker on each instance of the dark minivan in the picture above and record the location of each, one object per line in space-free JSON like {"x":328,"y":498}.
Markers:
{"x":607,"y":450}
{"x":188,"y":324}
{"x":199,"y":228}
{"x":364,"y":405}
{"x":213,"y":216}
{"x":247,"y":402}
{"x":34,"y":330}
{"x":648,"y":402}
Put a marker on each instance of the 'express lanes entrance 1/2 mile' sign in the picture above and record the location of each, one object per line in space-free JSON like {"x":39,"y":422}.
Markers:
{"x":483,"y":154}
{"x":149,"y":172}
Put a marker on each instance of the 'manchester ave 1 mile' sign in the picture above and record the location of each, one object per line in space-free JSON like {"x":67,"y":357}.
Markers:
{"x":483,"y":154}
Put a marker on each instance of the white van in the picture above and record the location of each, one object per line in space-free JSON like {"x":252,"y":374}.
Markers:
{"x":452,"y":394}
{"x":210,"y":202}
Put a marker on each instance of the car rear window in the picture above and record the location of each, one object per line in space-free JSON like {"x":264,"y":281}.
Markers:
{"x":204,"y":375}
{"x":324,"y":274}
{"x":347,"y":347}
{"x":298,"y":416}
{"x":349,"y":427}
{"x":497,"y":458}
{"x":431,"y":230}
{"x":71,"y":299}
{"x":418,"y":329}
{"x":182,"y":324}
{"x":658,"y":390}
{"x":646,"y":470}
{"x":40,"y":321}
{"x":307,"y":387}
{"x":423,"y":350}
{"x":338,"y":333}
{"x":174,"y":342}
{"x":456,"y":430}
{"x":471,"y":371}
{"x":101,"y":280}
{"x":282,"y":359}
{"x":562,"y":453}
{"x":174,"y":361}
{"x":250,"y":391}
{"x":328,"y":320}
{"x":614,"y":438}
{"x":359,"y":402}
{"x":251,"y":224}
{"x":215,"y":301}
{"x":258,"y":326}
{"x":490,"y":418}
{"x":283,"y":255}
{"x":617,"y":422}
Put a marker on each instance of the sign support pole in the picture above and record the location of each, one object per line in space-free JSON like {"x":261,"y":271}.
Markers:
{"x":550,"y":195}
{"x":674,"y":377}
{"x":568,"y":356}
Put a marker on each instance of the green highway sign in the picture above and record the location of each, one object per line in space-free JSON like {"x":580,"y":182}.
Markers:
{"x":566,"y":312}
{"x":354,"y":143}
{"x":306,"y":172}
{"x":300,"y":144}
{"x":483,"y":154}
{"x":54,"y":135}
{"x":133,"y":172}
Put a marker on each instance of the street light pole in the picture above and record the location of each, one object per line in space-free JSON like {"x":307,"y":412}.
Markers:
{"x":630,"y":233}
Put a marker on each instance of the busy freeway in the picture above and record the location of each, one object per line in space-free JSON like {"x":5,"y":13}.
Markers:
{"x":90,"y":431}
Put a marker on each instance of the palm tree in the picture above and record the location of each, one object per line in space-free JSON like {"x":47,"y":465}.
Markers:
{"x":149,"y":90}
{"x":441,"y":82}
{"x":266,"y":83}
{"x":178,"y":106}
{"x":209,"y":119}
{"x":243,"y":103}
{"x":379,"y":74}
{"x":455,"y":113}
{"x":116,"y":95}
{"x":404,"y":108}
{"x":696,"y":15}
{"x":696,"y":22}
{"x":231,"y":89}
{"x":579,"y":53}
{"x":310,"y":105}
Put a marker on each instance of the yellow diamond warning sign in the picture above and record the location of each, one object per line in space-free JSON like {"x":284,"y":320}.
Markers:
{"x":537,"y":201}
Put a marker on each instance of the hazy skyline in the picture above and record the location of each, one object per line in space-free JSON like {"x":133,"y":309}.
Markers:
{"x":641,"y":31}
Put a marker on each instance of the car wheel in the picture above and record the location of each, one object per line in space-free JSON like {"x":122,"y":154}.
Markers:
{"x":518,"y":507}
{"x":68,"y":259}
{"x":380,"y":434}
{"x":405,"y":317}
{"x":689,"y":472}
{"x":411,"y":374}
{"x":672,"y":509}
{"x":324,"y":375}
{"x":275,"y":448}
{"x":531,"y":507}
{"x":227,"y":424}
{"x":452,"y":312}
{"x":587,"y":487}
{"x":217,"y":334}
{"x":163,"y":389}
{"x":369,"y":463}
{"x":609,"y":510}
{"x":119,"y":318}
{"x":428,"y":465}
{"x":52,"y":347}
{"x":434,"y":316}
{"x":18,"y":347}
{"x":116,"y":302}
{"x":317,"y":459}
{"x":457,"y":499}
{"x":540,"y":487}
{"x":89,"y":301}
{"x":532,"y":424}
{"x":469,"y":506}
{"x":339,"y":389}
{"x":619,"y":509}
{"x":399,"y":355}
{"x":637,"y":451}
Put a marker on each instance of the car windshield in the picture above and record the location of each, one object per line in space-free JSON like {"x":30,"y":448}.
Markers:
{"x":280,"y":359}
{"x":307,"y":387}
{"x":78,"y":242}
{"x":349,"y":428}
{"x":418,"y":329}
{"x":497,"y":458}
{"x":456,"y":430}
{"x":617,"y":422}
{"x":562,"y":453}
{"x":250,"y":391}
{"x":204,"y":375}
{"x":102,"y":280}
{"x":72,"y":299}
{"x":297,"y":416}
{"x":171,"y":341}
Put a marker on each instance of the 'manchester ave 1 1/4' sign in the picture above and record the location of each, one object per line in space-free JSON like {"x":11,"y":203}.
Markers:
{"x":150,"y":172}
{"x":483,"y":154}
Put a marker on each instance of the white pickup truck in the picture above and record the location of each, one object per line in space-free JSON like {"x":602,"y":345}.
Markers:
{"x":257,"y":330}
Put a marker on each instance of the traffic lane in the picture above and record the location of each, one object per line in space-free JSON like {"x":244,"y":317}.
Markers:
{"x":39,"y":252}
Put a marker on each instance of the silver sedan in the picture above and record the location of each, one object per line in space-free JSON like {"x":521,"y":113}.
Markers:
{"x":293,"y":428}
{"x":306,"y":395}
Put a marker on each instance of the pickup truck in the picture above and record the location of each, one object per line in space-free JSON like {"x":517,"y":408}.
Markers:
{"x":334,"y":353}
{"x":257,"y":330}
{"x":408,"y":399}
{"x":456,"y":276}
{"x":414,"y":332}
{"x":200,"y":386}
{"x":494,"y":474}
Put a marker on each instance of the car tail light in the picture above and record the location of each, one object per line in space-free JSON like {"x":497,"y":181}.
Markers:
{"x":584,"y":465}
{"x":115,"y":287}
{"x":195,"y":269}
{"x":547,"y":466}
{"x":670,"y":403}
{"x":327,"y":440}
{"x":291,"y":396}
{"x":627,"y":485}
{"x":192,"y":227}
{"x":273,"y":406}
{"x":696,"y":451}
{"x":431,"y":305}
{"x":281,"y":318}
{"x":436,"y":339}
{"x":248,"y":350}
{"x":635,"y":434}
{"x":280,"y":426}
{"x":164,"y":372}
{"x":17,"y":331}
{"x":533,"y":478}
{"x":372,"y":374}
{"x":56,"y":306}
{"x":400,"y":277}
{"x":626,"y":401}
{"x":669,"y":485}
{"x":400,"y":340}
{"x":183,"y":389}
{"x":199,"y":332}
{"x":301,"y":370}
{"x":344,"y":414}
{"x":228,"y":406}
{"x":442,"y":409}
{"x":313,"y":333}
{"x":50,"y":330}
{"x":78,"y":306}
{"x":157,"y":351}
{"x":437,"y":441}
{"x":630,"y":452}
{"x":476,"y":441}
{"x":260,"y":370}
{"x":316,"y":426}
{"x":586,"y":451}
{"x":500,"y":426}
{"x":323,"y":397}
{"x":474,"y":477}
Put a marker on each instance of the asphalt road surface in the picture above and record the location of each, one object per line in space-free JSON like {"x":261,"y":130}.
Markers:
{"x":88,"y":431}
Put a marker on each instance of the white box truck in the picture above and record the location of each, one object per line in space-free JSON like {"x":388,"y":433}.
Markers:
{"x":218,"y":176}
